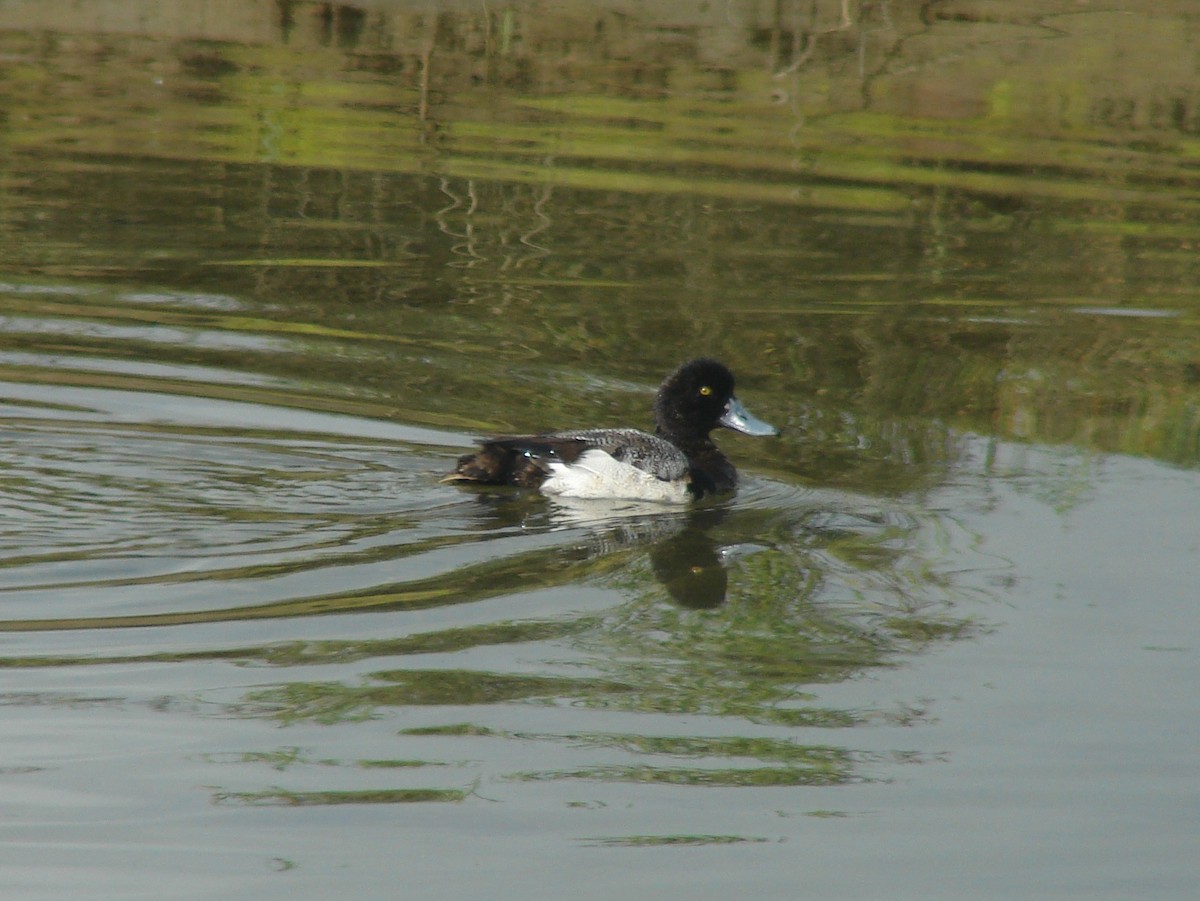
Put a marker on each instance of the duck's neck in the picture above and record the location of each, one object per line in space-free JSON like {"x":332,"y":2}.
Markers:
{"x":687,"y":440}
{"x":711,"y":470}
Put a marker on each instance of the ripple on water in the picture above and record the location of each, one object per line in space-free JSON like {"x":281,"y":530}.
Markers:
{"x":148,"y":515}
{"x":157,"y":533}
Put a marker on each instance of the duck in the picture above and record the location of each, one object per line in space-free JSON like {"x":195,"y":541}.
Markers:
{"x":677,"y":464}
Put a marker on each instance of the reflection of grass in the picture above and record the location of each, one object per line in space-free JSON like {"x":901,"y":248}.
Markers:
{"x":453,"y":730}
{"x":333,"y":702}
{"x":659,"y":841}
{"x":279,"y":797}
{"x":695,"y":746}
{"x":279,"y":759}
{"x":962,"y":185}
{"x":817,"y":599}
{"x":285,"y":758}
{"x":830,"y":759}
{"x":928,"y":629}
{"x":440,"y":642}
{"x":814,"y":605}
{"x":698,"y":776}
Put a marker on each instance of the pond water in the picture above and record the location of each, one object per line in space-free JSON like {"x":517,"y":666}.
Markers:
{"x":266,"y":269}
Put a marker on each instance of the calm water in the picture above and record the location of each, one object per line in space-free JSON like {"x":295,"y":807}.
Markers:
{"x":266,"y":269}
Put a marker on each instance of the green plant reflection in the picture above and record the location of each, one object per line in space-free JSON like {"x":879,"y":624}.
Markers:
{"x":820,"y":598}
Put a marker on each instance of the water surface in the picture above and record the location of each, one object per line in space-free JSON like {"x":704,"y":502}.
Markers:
{"x":263,"y":276}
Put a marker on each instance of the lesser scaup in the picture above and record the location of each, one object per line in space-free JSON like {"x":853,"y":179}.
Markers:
{"x":676,"y":464}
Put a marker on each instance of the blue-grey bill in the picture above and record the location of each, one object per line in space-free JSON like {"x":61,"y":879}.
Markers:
{"x":740,"y":419}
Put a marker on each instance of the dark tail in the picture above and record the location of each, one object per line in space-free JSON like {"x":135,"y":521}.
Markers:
{"x":501,"y":462}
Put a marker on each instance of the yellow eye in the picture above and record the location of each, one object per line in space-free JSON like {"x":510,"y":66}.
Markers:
{"x":705,"y":391}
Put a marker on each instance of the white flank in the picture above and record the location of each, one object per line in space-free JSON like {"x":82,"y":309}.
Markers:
{"x":595,"y":474}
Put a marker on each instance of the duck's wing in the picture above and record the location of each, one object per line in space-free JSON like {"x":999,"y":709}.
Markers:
{"x":646,"y":452}
{"x":526,"y":460}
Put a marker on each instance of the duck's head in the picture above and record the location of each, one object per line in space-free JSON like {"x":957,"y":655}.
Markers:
{"x":697,"y":398}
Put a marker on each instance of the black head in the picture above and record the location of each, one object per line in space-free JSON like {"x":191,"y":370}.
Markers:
{"x":697,"y":397}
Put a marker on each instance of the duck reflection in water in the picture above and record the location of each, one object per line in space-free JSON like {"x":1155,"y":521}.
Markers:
{"x":690,"y":566}
{"x":684,"y":556}
{"x":686,"y":559}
